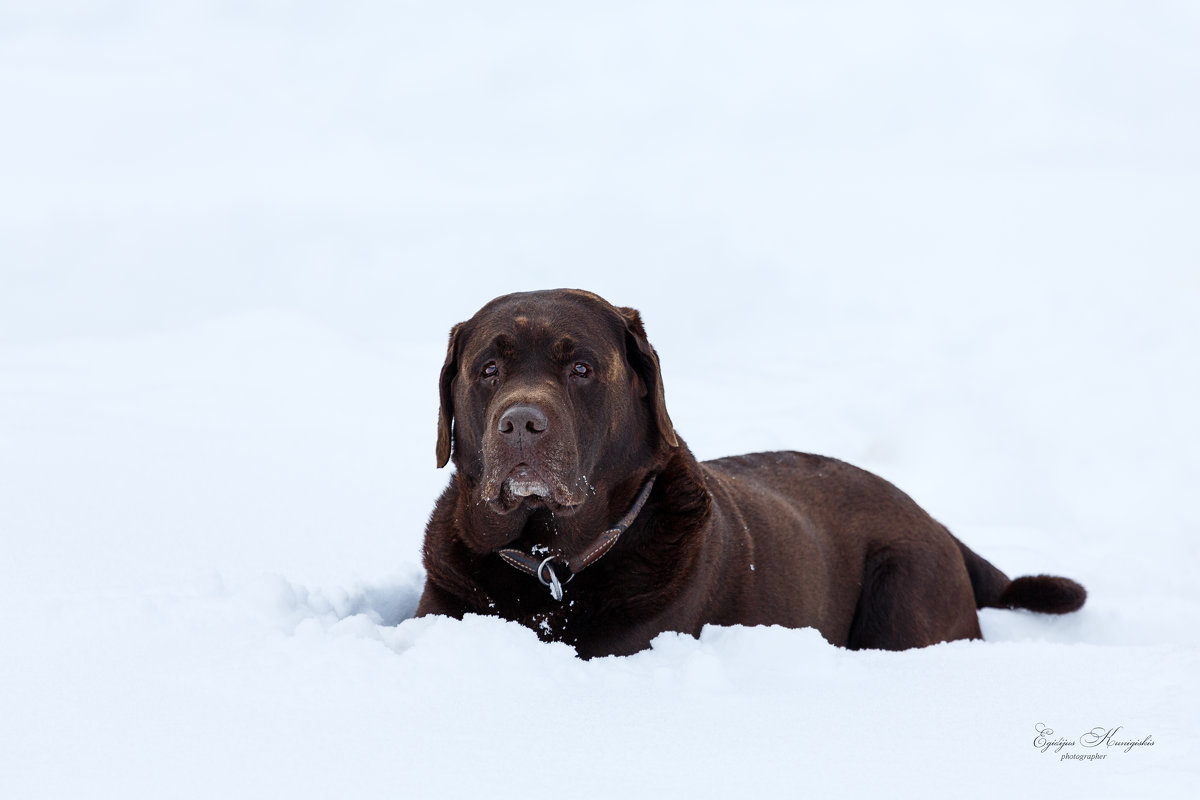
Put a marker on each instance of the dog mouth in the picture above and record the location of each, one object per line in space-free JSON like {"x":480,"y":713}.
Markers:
{"x":525,"y":481}
{"x":526,"y":485}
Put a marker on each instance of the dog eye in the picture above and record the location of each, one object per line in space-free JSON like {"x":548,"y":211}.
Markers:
{"x":490,"y":370}
{"x":581,"y":370}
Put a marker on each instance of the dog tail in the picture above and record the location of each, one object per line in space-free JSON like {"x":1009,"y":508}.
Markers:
{"x":1046,"y":594}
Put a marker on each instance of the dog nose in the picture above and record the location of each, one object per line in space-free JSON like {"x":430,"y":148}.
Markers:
{"x":523,"y":418}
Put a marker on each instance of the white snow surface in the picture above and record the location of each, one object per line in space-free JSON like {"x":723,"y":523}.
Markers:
{"x":951,"y":243}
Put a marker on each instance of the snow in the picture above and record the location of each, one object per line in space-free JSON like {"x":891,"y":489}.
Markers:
{"x":951,"y":244}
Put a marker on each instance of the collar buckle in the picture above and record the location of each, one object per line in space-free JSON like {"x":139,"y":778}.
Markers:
{"x":556,"y":588}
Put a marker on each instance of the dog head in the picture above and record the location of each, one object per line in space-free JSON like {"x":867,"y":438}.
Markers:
{"x":549,"y":399}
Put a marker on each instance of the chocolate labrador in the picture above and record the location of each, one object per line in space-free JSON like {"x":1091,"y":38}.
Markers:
{"x":576,"y":509}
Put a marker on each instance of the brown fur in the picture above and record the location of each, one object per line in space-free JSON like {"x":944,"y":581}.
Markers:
{"x":771,"y":538}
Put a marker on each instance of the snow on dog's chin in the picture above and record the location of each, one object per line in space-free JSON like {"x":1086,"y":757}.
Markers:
{"x":522,"y":485}
{"x":528,"y":487}
{"x":525,"y":481}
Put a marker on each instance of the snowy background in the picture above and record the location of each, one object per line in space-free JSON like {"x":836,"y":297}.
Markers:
{"x":955,"y":244}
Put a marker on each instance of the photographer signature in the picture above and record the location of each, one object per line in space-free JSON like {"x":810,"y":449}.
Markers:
{"x":1096,"y":739}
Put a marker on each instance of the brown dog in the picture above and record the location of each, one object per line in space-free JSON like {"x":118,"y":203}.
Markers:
{"x":568,"y":471}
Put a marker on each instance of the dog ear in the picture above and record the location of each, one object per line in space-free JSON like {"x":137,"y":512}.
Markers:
{"x":645,"y":363}
{"x":446,"y":389}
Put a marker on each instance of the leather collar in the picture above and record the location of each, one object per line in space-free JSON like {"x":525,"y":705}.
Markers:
{"x":540,"y":566}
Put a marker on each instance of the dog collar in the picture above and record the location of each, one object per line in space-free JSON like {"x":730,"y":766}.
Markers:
{"x":543,"y":569}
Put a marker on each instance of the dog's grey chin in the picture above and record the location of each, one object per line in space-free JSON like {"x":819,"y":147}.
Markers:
{"x":528,"y":487}
{"x":524,"y":484}
{"x":528,"y":492}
